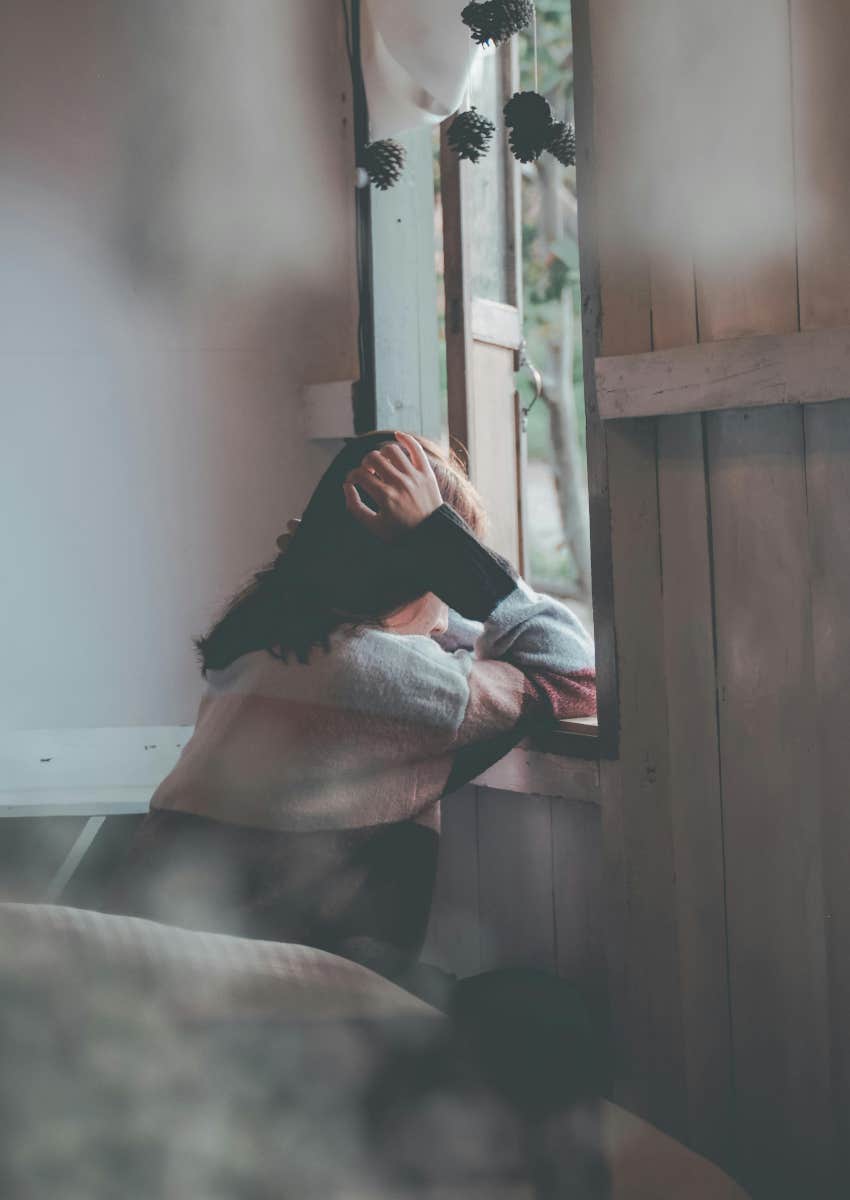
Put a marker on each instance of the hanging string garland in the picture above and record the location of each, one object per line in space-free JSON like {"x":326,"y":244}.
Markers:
{"x":470,"y":134}
{"x":562,"y":143}
{"x":496,"y":20}
{"x":383,"y":162}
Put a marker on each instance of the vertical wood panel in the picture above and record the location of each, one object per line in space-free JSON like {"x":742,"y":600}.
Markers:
{"x":687,"y":607}
{"x":515,"y":863}
{"x":828,"y":471}
{"x":453,"y":940}
{"x":407,"y":387}
{"x":639,"y":870}
{"x":493,"y":445}
{"x":746,"y":283}
{"x":695,"y":783}
{"x":578,"y":895}
{"x":820,"y":36}
{"x":636,"y":801}
{"x":771,"y":798}
{"x":744,"y":215}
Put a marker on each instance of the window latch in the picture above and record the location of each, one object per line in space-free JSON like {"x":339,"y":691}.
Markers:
{"x":537,"y":379}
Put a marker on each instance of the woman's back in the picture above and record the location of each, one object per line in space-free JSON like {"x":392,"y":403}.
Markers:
{"x":306,"y":805}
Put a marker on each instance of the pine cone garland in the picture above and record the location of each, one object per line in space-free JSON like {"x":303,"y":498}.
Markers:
{"x":470,"y":133}
{"x":384,"y":162}
{"x":496,"y":20}
{"x":562,"y":143}
{"x":530,"y":120}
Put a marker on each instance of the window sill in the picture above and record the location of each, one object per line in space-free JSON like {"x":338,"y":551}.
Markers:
{"x":574,"y":737}
{"x":561,"y":764}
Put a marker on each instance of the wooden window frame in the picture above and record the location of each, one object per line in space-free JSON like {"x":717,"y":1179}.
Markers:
{"x":586,"y":738}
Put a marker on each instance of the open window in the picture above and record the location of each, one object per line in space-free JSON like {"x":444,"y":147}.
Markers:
{"x":511,"y":324}
{"x":485,"y":297}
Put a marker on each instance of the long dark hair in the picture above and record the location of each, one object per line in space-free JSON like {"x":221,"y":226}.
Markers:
{"x":333,"y":571}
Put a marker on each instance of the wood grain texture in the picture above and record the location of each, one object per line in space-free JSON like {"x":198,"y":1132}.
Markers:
{"x":741,"y":167}
{"x":641,"y":930}
{"x":533,"y":772}
{"x":794,"y":368}
{"x":771,"y":789}
{"x":405,"y":295}
{"x":696,"y":805}
{"x":453,"y":938}
{"x":492,"y":444}
{"x":516,"y":884}
{"x":688,"y":625}
{"x":820,"y":35}
{"x":636,"y":801}
{"x":827,"y":432}
{"x":578,"y":896}
{"x":769,"y":767}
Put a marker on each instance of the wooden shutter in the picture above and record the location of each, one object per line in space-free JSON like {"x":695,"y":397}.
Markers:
{"x":481,"y":235}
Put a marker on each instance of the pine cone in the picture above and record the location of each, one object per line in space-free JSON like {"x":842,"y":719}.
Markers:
{"x":530,"y":119}
{"x":496,"y":20}
{"x":470,"y":133}
{"x":384,"y":162}
{"x":562,"y":143}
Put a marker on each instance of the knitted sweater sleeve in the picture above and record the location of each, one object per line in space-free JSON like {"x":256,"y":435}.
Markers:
{"x":529,"y":661}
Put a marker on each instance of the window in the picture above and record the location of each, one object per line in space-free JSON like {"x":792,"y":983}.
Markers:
{"x":506,"y":242}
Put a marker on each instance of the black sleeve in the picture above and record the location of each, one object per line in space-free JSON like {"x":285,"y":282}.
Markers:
{"x":442,"y":555}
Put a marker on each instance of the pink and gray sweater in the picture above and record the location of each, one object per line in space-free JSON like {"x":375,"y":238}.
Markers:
{"x":352,"y":751}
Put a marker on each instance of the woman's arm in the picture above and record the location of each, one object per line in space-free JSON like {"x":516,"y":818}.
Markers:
{"x":532,"y":655}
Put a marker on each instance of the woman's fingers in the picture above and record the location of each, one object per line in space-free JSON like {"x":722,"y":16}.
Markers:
{"x":417,"y":454}
{"x":356,"y":506}
{"x":382,"y":464}
{"x":399,"y":458}
{"x":372,"y":484}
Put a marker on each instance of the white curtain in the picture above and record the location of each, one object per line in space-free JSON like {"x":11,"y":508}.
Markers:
{"x":416,"y":55}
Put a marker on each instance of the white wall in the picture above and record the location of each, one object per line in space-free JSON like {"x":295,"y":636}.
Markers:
{"x":177,"y":241}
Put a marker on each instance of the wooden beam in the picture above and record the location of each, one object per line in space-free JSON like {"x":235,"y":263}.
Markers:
{"x":752,"y":372}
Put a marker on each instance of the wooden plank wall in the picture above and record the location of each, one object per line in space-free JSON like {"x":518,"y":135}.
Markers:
{"x":520,"y":884}
{"x":721,"y":176}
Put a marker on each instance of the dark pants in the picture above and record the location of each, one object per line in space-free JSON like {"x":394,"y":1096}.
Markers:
{"x":364,"y":894}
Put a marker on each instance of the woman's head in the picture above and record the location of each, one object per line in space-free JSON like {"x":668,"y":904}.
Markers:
{"x":333,"y":571}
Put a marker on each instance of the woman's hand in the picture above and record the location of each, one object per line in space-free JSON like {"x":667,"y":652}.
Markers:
{"x":400,"y":480}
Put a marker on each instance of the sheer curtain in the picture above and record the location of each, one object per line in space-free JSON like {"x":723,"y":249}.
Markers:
{"x":415,"y":61}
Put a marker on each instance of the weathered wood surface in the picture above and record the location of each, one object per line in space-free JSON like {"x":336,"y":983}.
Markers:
{"x":496,"y":323}
{"x":641,"y":934}
{"x":516,"y":880}
{"x":727,"y":809}
{"x":763,"y":627}
{"x":794,"y":368}
{"x":688,"y":648}
{"x":407,"y":387}
{"x":696,"y":808}
{"x":519,"y":883}
{"x":820,"y":36}
{"x":771,"y":793}
{"x":454,"y":940}
{"x":530,"y":771}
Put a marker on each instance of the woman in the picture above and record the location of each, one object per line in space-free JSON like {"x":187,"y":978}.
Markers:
{"x":383,"y":659}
